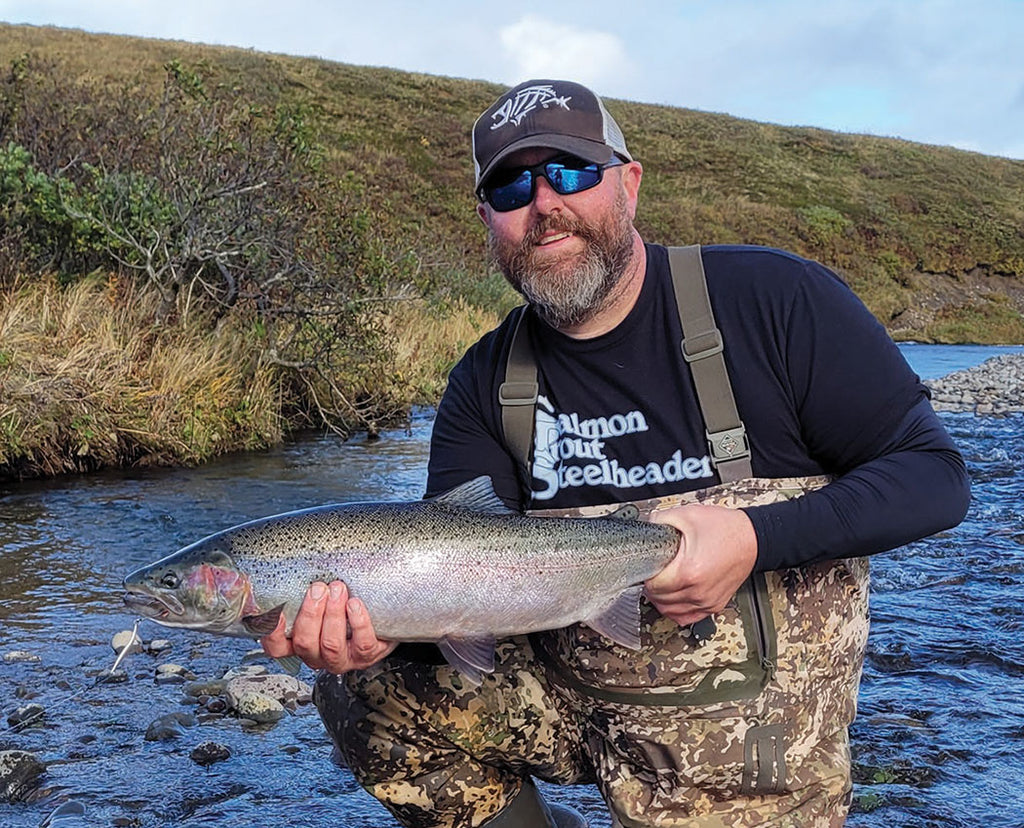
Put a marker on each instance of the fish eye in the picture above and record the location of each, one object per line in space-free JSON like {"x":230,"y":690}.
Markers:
{"x":170,"y":580}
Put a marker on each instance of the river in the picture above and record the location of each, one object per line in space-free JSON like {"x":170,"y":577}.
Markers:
{"x":937,"y":741}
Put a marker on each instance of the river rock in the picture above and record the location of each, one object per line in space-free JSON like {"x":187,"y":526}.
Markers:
{"x":31,"y":715}
{"x":21,"y":656}
{"x":286,"y":690}
{"x":208,"y":753}
{"x":169,"y":727}
{"x":206,"y":688}
{"x":129,"y":639}
{"x":994,"y":388}
{"x":70,"y":814}
{"x":246,"y":670}
{"x":258,"y":708}
{"x":173,"y":674}
{"x":158,"y":646}
{"x":19,"y":775}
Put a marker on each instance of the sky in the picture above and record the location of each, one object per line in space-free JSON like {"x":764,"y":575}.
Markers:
{"x":948,"y":72}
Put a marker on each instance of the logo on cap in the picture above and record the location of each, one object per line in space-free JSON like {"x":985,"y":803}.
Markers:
{"x":525,"y":101}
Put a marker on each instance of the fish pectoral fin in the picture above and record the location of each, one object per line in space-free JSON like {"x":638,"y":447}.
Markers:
{"x":471,"y":656}
{"x":477,"y":495}
{"x":621,"y":620}
{"x":265,"y":624}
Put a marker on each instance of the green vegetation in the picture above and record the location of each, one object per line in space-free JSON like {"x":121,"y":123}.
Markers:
{"x":309,"y":227}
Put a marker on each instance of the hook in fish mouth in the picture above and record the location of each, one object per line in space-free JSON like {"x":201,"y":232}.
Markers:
{"x":153,"y":606}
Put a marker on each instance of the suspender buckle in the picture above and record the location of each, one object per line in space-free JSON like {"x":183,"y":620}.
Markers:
{"x":727,"y":445}
{"x":703,"y":345}
{"x":518,"y":393}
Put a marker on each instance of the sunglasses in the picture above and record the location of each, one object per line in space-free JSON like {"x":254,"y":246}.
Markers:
{"x":514,"y":188}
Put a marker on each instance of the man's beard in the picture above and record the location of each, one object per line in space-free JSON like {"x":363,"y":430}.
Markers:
{"x":568,"y":292}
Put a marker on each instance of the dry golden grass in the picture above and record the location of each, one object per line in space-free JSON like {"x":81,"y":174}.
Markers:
{"x":429,"y":341}
{"x":88,"y":381}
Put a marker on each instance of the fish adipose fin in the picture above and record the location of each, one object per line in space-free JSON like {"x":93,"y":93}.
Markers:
{"x":470,"y":656}
{"x":476,"y":495}
{"x":621,"y":620}
{"x":265,"y":624}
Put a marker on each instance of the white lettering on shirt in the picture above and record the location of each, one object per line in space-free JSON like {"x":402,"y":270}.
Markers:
{"x":569,"y":452}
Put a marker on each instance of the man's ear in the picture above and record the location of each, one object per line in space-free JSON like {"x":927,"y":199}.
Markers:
{"x":483,"y":215}
{"x":632,"y":175}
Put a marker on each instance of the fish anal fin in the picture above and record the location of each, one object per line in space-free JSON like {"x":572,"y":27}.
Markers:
{"x":290,"y":664}
{"x":264,"y":624}
{"x":476,"y":495}
{"x":470,"y":656}
{"x":620,"y":622}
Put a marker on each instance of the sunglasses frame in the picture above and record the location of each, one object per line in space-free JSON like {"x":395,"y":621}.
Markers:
{"x":567,"y":161}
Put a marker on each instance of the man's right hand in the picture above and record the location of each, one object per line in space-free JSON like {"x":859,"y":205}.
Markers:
{"x":320,"y":634}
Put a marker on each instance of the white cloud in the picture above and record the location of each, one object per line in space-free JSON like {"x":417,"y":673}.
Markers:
{"x":540,"y":48}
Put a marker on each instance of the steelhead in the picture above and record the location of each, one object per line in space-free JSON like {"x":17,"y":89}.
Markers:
{"x":460,"y":570}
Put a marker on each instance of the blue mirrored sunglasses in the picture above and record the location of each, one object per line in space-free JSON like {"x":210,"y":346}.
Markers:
{"x":511,"y":189}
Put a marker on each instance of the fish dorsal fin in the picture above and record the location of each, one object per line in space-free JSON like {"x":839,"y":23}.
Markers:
{"x":476,"y":495}
{"x":621,"y":620}
{"x":470,"y":656}
{"x":265,"y":624}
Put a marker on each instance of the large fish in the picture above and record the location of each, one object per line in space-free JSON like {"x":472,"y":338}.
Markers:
{"x":460,"y":570}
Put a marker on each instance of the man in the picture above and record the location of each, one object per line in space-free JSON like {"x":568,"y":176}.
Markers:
{"x":735,"y":710}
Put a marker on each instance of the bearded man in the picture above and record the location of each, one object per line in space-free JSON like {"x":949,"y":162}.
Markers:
{"x":742,"y":394}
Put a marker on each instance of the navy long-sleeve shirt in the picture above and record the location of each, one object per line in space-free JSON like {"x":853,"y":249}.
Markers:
{"x":819,"y":385}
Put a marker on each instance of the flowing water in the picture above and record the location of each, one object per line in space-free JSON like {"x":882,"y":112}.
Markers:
{"x":937,"y":742}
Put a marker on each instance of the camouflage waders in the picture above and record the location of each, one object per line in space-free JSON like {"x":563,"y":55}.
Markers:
{"x":745,"y":728}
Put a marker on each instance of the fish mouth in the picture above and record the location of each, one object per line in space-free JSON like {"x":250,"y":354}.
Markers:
{"x":153,"y":606}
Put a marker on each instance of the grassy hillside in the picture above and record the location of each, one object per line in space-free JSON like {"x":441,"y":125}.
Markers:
{"x":930,"y":237}
{"x":203,"y":249}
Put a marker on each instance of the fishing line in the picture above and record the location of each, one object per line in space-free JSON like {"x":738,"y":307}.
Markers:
{"x":103,"y":678}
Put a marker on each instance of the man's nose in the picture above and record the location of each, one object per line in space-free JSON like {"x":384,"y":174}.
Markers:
{"x":545,"y":197}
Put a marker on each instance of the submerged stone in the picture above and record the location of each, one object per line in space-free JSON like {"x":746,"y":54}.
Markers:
{"x":21,"y":656}
{"x":31,"y":715}
{"x":19,"y":775}
{"x":208,"y":753}
{"x":170,"y":726}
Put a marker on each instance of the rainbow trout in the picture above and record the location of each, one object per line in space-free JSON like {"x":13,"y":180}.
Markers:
{"x":460,"y":570}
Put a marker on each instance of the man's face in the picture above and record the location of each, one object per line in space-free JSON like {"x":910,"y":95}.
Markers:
{"x":566,"y":253}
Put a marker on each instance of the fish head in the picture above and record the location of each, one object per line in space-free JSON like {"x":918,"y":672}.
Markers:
{"x":199,"y":587}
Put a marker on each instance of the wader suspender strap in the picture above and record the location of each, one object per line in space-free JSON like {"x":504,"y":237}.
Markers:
{"x":702,"y":348}
{"x":518,"y":398}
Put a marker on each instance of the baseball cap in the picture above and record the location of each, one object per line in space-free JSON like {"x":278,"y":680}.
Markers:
{"x":559,"y":114}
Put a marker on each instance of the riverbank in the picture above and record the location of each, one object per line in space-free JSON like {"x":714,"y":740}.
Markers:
{"x":994,"y":388}
{"x":91,"y":380}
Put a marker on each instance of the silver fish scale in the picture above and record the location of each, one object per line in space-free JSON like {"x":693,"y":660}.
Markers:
{"x":427,"y":570}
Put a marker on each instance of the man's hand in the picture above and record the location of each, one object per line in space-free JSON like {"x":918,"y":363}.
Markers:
{"x":716,"y":555}
{"x":320,"y":634}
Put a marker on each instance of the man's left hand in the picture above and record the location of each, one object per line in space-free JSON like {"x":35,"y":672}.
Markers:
{"x":716,"y":555}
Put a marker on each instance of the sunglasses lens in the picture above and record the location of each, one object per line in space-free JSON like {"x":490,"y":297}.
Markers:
{"x":568,"y":179}
{"x":511,"y":193}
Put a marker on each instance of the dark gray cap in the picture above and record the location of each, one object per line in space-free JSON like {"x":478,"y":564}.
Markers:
{"x":558,"y":114}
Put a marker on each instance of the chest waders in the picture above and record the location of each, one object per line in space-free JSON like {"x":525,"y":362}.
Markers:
{"x":738,"y":723}
{"x":741,"y":719}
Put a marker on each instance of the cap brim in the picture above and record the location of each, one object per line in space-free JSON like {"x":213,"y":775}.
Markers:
{"x":584,"y":148}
